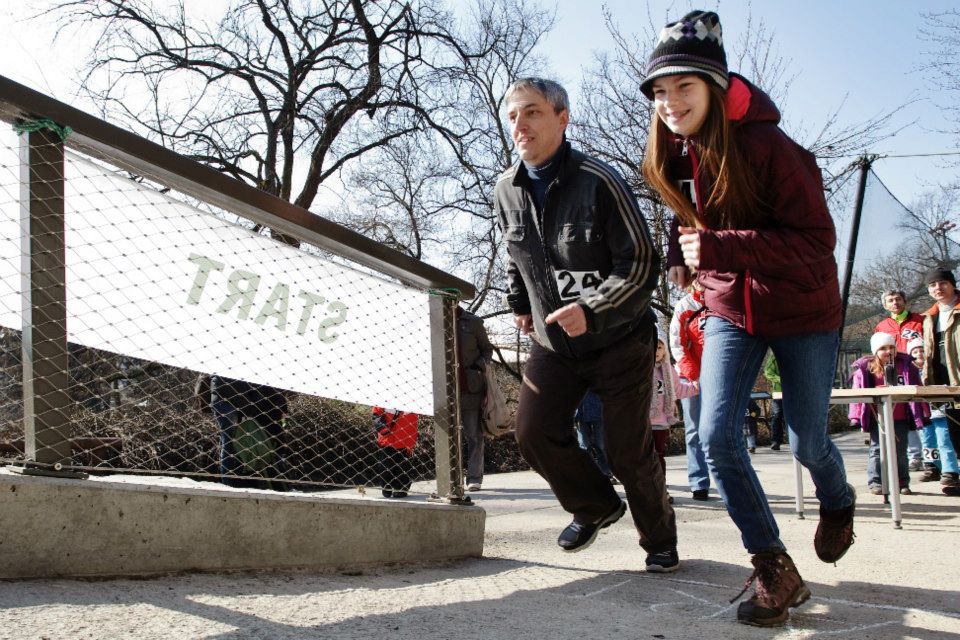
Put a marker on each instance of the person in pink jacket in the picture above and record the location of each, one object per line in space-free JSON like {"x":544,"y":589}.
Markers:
{"x":667,"y":388}
{"x":868,"y":372}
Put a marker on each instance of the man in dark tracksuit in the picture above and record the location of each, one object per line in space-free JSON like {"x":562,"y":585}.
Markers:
{"x":581,"y":270}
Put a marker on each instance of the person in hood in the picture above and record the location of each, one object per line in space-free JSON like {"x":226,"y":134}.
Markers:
{"x":751,"y":225}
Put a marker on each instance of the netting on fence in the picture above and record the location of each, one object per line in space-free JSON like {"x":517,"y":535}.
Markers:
{"x":895,"y":246}
{"x":198,"y":347}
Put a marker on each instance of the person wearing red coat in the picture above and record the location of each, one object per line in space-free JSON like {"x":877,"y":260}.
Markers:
{"x":903,"y":324}
{"x":397,"y":438}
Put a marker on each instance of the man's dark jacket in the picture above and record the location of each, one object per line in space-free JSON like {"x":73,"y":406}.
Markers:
{"x":591,"y":246}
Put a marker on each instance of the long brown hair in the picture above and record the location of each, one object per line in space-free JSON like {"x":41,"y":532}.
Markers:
{"x":733,"y":200}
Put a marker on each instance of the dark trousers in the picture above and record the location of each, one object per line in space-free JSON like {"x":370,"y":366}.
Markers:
{"x":395,"y":469}
{"x":622,"y":376}
{"x":776,"y":422}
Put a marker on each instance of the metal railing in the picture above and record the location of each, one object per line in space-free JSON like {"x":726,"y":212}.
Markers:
{"x":145,"y":327}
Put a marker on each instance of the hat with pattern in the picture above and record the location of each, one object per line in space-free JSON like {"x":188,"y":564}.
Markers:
{"x":693,"y":44}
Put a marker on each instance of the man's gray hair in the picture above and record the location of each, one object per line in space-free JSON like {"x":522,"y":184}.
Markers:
{"x":553,"y":92}
{"x":891,"y":292}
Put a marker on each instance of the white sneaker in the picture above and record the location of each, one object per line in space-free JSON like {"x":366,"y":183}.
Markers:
{"x":473,"y":486}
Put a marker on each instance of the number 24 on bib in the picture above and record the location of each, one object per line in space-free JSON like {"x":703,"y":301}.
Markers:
{"x":575,"y":284}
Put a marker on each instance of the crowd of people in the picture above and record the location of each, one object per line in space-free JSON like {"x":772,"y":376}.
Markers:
{"x":751,"y":246}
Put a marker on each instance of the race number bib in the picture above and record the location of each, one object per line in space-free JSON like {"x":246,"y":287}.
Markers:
{"x":575,"y":284}
{"x":688,"y":189}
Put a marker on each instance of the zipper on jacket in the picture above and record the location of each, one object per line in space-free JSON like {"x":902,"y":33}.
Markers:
{"x":747,"y":306}
{"x":695,"y":162}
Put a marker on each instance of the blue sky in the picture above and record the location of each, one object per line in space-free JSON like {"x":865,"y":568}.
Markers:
{"x":868,"y":52}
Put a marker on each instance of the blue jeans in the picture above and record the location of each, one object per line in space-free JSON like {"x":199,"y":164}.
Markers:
{"x":590,"y":437}
{"x":776,"y":422}
{"x":928,"y":440}
{"x":948,"y":455}
{"x":697,"y":473}
{"x":913,"y":446}
{"x":731,"y":361}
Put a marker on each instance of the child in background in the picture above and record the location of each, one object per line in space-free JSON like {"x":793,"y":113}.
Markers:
{"x":686,"y":346}
{"x":663,"y":406}
{"x":928,"y":435}
{"x":868,"y":372}
{"x":750,"y":425}
{"x":397,"y":438}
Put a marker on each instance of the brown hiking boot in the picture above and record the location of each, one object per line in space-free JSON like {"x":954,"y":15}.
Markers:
{"x":835,"y":531}
{"x":778,"y":587}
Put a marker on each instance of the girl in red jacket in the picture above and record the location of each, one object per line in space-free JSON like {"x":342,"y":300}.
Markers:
{"x":752,"y":225}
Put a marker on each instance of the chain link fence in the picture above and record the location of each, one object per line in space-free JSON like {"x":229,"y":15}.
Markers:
{"x":148,"y":328}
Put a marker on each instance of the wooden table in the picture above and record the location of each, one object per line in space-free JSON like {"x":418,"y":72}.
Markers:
{"x":885,"y":397}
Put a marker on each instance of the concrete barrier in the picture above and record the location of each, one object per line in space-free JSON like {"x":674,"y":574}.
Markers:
{"x":51,"y":527}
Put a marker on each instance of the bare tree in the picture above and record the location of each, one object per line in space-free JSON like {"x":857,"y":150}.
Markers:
{"x":942,"y":68}
{"x":281,"y":94}
{"x":614,"y":120}
{"x":465,"y":142}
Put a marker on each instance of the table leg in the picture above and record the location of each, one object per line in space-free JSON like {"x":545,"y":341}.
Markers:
{"x":889,"y":468}
{"x":798,"y":477}
{"x":882,"y":441}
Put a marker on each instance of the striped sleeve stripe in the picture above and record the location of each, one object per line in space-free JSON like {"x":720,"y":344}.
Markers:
{"x":643,"y":249}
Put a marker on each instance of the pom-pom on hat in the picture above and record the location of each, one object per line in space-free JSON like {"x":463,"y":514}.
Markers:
{"x":913,"y":344}
{"x":881,"y":340}
{"x":693,"y":44}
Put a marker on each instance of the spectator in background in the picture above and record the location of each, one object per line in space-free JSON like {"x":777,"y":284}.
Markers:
{"x":750,"y":425}
{"x":868,"y":373}
{"x":772,"y":373}
{"x":941,"y":332}
{"x":928,"y":436}
{"x":686,"y":346}
{"x":397,"y":438}
{"x":663,"y":407}
{"x":250,"y":417}
{"x":588,"y":421}
{"x":904,"y":326}
{"x":475,"y":353}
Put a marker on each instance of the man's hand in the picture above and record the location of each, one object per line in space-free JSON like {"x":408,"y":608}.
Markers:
{"x":680,"y":276}
{"x":570,"y":318}
{"x":690,"y":245}
{"x":524,"y":323}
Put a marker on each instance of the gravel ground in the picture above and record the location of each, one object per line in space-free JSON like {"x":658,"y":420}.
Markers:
{"x":892,"y":584}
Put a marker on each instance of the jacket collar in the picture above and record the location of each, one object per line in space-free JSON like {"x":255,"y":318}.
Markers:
{"x":935,"y":309}
{"x":566,"y":157}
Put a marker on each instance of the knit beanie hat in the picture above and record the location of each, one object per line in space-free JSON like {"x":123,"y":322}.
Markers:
{"x":881,"y":339}
{"x":693,"y":44}
{"x":913,"y":344}
{"x":940,"y":274}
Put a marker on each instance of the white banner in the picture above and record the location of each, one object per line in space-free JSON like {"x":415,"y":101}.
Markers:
{"x":156,"y":279}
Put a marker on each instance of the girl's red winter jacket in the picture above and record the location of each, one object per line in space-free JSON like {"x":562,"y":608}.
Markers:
{"x":780,"y":276}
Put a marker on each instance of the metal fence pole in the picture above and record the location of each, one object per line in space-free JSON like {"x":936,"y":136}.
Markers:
{"x":446,"y":401}
{"x":43,"y":277}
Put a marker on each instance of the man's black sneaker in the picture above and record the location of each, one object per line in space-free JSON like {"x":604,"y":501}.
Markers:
{"x":663,"y":561}
{"x":578,"y":536}
{"x":701,"y":494}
